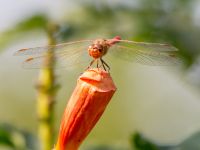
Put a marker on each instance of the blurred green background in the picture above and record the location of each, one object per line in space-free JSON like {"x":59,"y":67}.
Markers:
{"x":153,"y":108}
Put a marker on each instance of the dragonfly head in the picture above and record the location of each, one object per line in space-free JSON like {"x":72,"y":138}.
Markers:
{"x":98,"y":48}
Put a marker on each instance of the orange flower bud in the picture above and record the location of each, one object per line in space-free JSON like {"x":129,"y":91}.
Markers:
{"x":86,"y":105}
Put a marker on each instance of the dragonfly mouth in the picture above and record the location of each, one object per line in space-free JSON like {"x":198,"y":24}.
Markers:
{"x":95,"y":52}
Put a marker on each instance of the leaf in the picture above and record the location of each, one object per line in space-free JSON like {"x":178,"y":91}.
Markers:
{"x":36,"y":22}
{"x":16,"y":139}
{"x":5,"y":137}
{"x":141,"y":143}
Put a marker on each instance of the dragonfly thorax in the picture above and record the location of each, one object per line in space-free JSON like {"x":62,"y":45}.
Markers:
{"x":98,"y":48}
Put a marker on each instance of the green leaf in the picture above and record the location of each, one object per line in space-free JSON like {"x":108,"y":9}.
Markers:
{"x":36,"y":22}
{"x":141,"y":143}
{"x":5,"y":137}
{"x":16,"y":139}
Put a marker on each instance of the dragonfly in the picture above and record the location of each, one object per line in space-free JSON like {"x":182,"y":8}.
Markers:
{"x":71,"y":53}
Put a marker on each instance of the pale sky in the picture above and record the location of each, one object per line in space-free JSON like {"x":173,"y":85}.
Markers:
{"x":12,"y":11}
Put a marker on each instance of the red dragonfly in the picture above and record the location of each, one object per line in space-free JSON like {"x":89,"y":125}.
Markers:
{"x":68,"y":54}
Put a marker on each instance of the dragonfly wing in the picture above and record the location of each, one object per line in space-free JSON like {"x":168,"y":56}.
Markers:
{"x":146,"y":53}
{"x":144,"y":46}
{"x":62,"y":61}
{"x":65,"y":55}
{"x":57,"y":48}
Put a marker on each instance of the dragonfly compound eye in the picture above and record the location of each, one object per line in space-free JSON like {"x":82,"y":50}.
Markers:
{"x":98,"y":48}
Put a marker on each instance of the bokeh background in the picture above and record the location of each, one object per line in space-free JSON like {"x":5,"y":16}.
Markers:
{"x":153,"y":108}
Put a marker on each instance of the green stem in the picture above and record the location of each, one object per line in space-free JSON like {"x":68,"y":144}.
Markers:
{"x":46,"y":97}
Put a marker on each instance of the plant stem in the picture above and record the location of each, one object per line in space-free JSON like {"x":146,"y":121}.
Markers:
{"x":46,"y":96}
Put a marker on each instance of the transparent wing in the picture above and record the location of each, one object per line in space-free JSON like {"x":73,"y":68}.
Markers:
{"x":144,"y":46}
{"x":66,"y":55}
{"x":146,"y":53}
{"x":57,"y":48}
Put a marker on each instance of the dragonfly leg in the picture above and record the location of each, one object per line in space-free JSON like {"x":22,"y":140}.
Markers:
{"x":97,"y":63}
{"x":104,"y":64}
{"x":91,"y":63}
